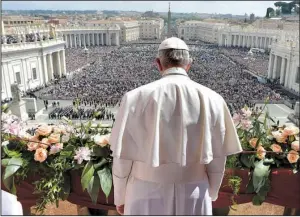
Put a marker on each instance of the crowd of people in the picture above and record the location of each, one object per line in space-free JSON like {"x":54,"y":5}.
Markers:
{"x":99,"y":113}
{"x":112,"y":71}
{"x":30,"y":37}
{"x":256,"y":62}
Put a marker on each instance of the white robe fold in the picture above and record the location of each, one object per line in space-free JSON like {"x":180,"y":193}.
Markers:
{"x":172,"y":123}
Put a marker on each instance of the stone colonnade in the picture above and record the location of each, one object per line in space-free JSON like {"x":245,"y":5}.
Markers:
{"x":91,"y":38}
{"x":284,"y":64}
{"x":54,"y":65}
{"x":245,"y":40}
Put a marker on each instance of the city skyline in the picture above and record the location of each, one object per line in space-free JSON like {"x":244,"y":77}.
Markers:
{"x":220,"y":7}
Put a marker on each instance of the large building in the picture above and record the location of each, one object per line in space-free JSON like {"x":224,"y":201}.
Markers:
{"x":9,"y":21}
{"x":129,"y":29}
{"x":31,"y":64}
{"x":284,"y":63}
{"x":198,"y":30}
{"x":151,"y":28}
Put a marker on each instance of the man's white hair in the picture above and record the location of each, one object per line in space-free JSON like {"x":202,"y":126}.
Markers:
{"x":174,"y":57}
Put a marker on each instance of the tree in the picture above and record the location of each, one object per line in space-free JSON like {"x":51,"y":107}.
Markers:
{"x":269,"y":11}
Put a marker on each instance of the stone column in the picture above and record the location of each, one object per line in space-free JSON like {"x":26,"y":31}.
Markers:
{"x":80,"y":44}
{"x":275,"y":67}
{"x":84,"y":40}
{"x":97,"y":39}
{"x":7,"y":79}
{"x":93,"y":39}
{"x":117,"y":39}
{"x":67,"y":41}
{"x":59,"y":64}
{"x":287,"y":74}
{"x":63,"y":62}
{"x":75,"y":40}
{"x":88,"y":39}
{"x":50,"y":66}
{"x":71,"y":40}
{"x":45,"y":69}
{"x":271,"y":66}
{"x":234,"y":40}
{"x":24,"y":74}
{"x":101,"y":36}
{"x":256,"y":42}
{"x":282,"y":71}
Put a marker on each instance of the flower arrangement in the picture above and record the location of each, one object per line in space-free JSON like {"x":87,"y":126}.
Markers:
{"x":51,"y":152}
{"x":266,"y":145}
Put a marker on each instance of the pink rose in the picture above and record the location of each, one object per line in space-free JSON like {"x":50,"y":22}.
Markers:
{"x":290,"y":131}
{"x":293,"y":156}
{"x":253,"y":142}
{"x":40,"y":155}
{"x":44,"y":130}
{"x":276,"y":148}
{"x":102,"y":140}
{"x":280,"y":137}
{"x":295,"y":145}
{"x":44,"y":143}
{"x":260,"y":153}
{"x":54,"y":138}
{"x":32,"y":146}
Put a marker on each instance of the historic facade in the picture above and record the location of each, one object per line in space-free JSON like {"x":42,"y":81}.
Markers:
{"x":151,"y":28}
{"x":128,"y":29}
{"x":198,"y":30}
{"x":84,"y":36}
{"x":284,"y":63}
{"x":232,"y":36}
{"x":31,"y":64}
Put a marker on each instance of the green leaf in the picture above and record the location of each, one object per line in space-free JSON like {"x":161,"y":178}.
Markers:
{"x":260,"y":173}
{"x":68,"y":151}
{"x":4,"y":162}
{"x":102,"y":162}
{"x":100,"y":152}
{"x":105,"y":180}
{"x":258,"y":200}
{"x":93,"y":188}
{"x":247,"y":160}
{"x":11,"y":153}
{"x":9,"y":183}
{"x":66,"y":186}
{"x":87,"y":175}
{"x":12,"y":166}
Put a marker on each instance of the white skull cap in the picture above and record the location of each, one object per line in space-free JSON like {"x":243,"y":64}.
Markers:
{"x":173,"y":43}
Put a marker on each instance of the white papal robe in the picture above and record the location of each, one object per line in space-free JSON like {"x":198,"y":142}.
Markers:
{"x":170,"y":142}
{"x":10,"y":204}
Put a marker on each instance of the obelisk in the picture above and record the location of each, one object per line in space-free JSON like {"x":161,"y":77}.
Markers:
{"x":169,"y":21}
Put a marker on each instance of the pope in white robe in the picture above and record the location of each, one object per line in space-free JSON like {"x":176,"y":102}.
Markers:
{"x":170,"y":141}
{"x":10,"y":204}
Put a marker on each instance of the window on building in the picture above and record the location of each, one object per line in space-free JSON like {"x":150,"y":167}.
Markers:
{"x":18,"y":77}
{"x":298,"y":76}
{"x":34,"y":75}
{"x":5,"y":22}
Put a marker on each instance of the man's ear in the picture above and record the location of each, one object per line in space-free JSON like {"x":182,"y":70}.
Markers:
{"x":158,"y":63}
{"x":188,"y":67}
